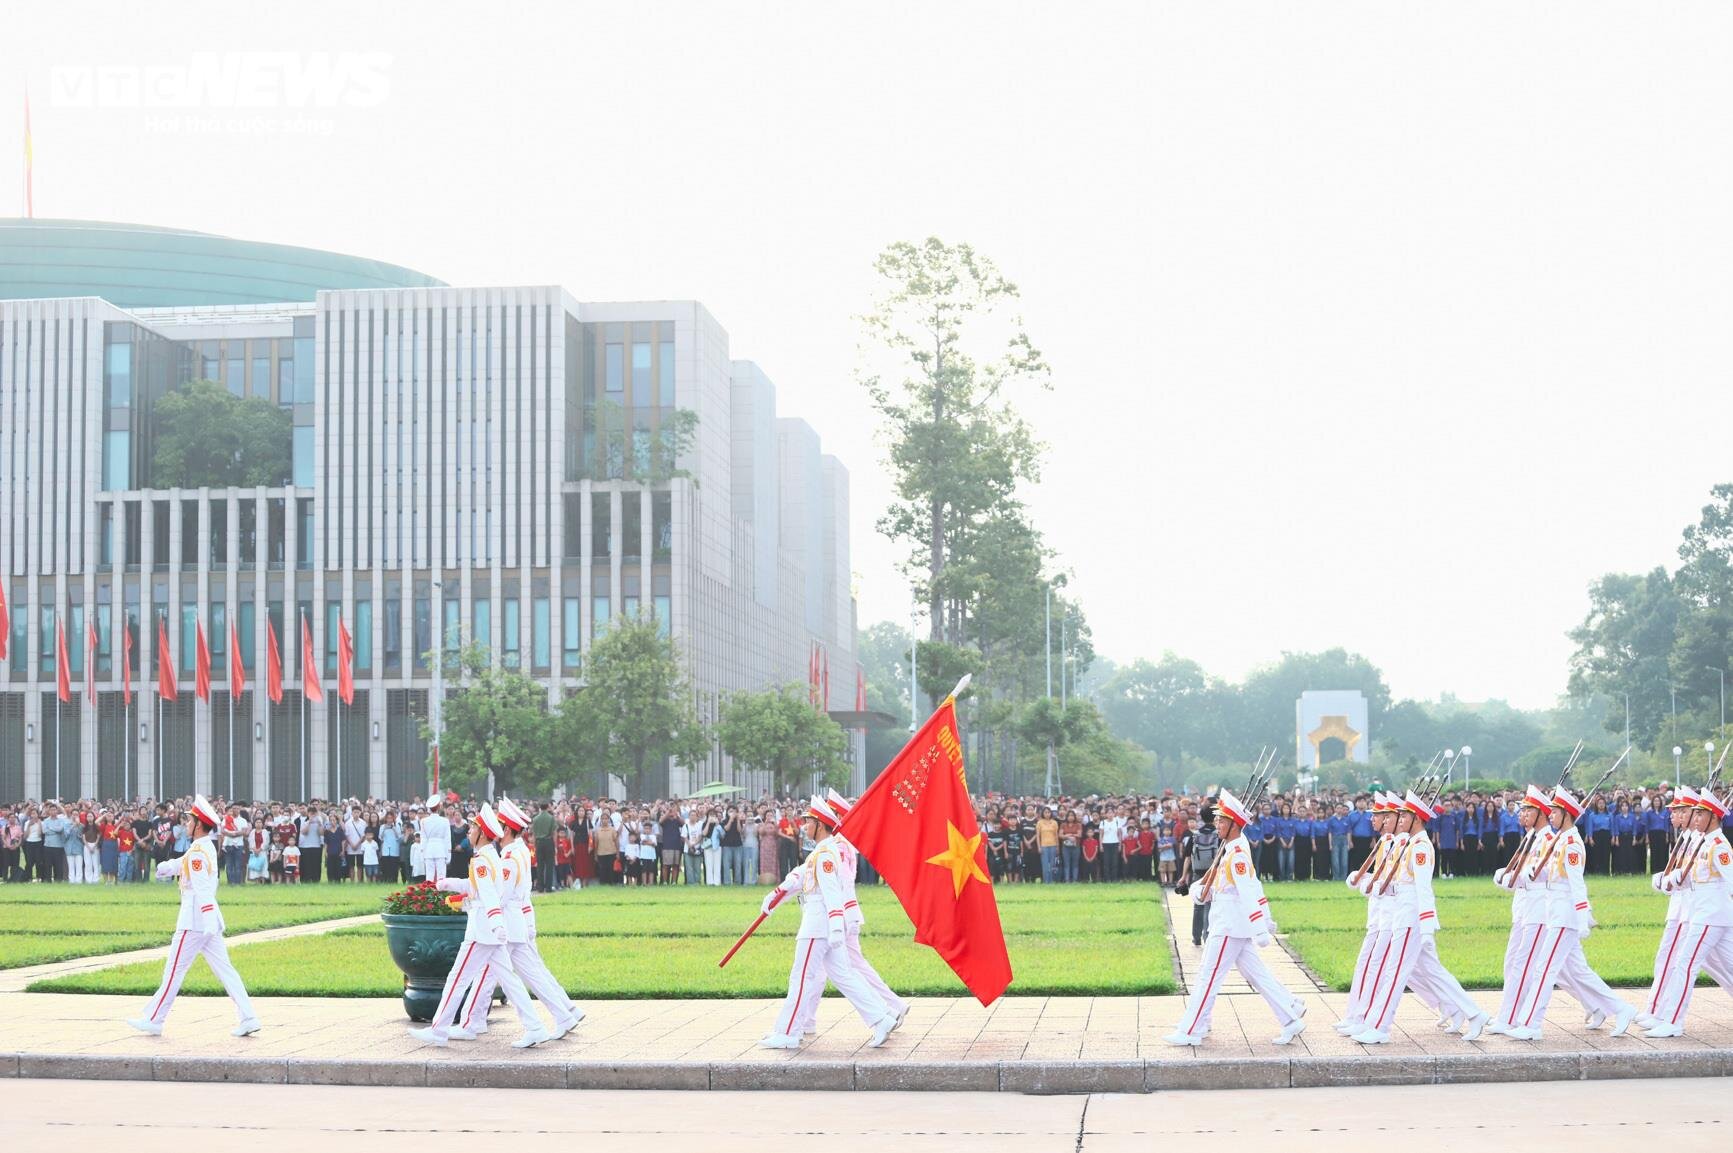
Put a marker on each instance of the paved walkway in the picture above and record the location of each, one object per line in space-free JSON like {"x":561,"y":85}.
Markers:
{"x":17,"y":980}
{"x":1281,"y":962}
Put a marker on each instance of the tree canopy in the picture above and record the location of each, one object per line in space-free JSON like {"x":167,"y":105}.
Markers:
{"x":635,"y":710}
{"x":778,"y":731}
{"x":208,"y":437}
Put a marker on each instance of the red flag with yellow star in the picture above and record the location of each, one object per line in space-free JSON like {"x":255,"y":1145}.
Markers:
{"x":917,"y":827}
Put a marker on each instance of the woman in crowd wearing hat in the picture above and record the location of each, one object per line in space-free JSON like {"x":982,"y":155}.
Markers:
{"x":484,"y":939}
{"x":821,"y":944}
{"x":1238,"y":920}
{"x":198,"y":929}
{"x":1705,"y":876}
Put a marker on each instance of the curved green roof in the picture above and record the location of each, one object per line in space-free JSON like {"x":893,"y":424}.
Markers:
{"x":139,"y":266}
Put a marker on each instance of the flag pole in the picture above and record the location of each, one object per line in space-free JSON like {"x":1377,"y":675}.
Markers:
{"x":231,"y":797}
{"x":57,"y":741}
{"x":303,"y":733}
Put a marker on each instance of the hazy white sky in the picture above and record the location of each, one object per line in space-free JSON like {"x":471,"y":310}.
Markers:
{"x":1382,"y":325}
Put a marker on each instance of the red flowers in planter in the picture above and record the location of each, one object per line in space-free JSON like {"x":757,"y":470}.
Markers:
{"x":424,"y":899}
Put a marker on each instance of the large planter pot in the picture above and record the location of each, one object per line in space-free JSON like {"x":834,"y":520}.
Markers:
{"x":425,"y":949}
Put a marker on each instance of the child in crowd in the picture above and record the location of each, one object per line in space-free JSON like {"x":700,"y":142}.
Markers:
{"x":276,"y":864}
{"x":291,"y":862}
{"x":370,"y":857}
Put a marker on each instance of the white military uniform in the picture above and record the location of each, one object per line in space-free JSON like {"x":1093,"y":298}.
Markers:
{"x":853,"y":920}
{"x":435,"y":843}
{"x":1238,"y":920}
{"x":1686,"y":799}
{"x":520,"y":925}
{"x":1705,"y":940}
{"x":198,"y":932}
{"x":483,"y":950}
{"x":821,"y":946}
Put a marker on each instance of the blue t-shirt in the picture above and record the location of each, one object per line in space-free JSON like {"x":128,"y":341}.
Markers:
{"x":1508,"y":824}
{"x":1449,"y":831}
{"x":1624,"y":824}
{"x":1597,"y":822}
{"x":1254,"y":833}
{"x":1360,"y":823}
{"x":1284,"y":828}
{"x":1337,"y":825}
{"x":1471,"y":823}
{"x":1656,"y":820}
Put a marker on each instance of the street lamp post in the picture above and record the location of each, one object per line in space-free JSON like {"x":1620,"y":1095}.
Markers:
{"x":1721,"y":675}
{"x":1677,"y":753}
{"x":438,"y":709}
{"x":1709,"y":754}
{"x":1466,"y":751}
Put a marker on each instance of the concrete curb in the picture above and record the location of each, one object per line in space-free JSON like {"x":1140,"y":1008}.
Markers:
{"x":881,"y":1075}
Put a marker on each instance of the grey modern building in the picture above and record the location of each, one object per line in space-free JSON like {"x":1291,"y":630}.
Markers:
{"x":474,"y":463}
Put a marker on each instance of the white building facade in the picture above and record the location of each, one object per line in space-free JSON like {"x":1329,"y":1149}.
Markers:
{"x":466,"y":465}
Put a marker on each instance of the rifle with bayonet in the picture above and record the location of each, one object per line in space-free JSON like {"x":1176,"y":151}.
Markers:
{"x":1511,"y":870}
{"x":1553,"y":844}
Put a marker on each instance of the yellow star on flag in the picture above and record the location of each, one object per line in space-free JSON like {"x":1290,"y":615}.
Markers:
{"x":960,"y":858}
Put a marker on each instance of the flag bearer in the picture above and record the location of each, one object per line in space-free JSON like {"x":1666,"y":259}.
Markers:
{"x":484,"y":939}
{"x":853,"y":920}
{"x":1706,"y":878}
{"x":1680,"y":812}
{"x":198,"y":929}
{"x":1238,"y":920}
{"x":821,"y":945}
{"x":520,"y":927}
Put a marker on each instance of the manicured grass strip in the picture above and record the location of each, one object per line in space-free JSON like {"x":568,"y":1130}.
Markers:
{"x":357,"y":965}
{"x":21,"y":949}
{"x":160,"y":919}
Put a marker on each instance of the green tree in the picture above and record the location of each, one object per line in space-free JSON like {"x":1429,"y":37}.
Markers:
{"x":948,"y":346}
{"x":1162,"y":705}
{"x":207,"y":436}
{"x":635,"y":710}
{"x":778,"y":731}
{"x":496,"y":722}
{"x":1625,"y":646}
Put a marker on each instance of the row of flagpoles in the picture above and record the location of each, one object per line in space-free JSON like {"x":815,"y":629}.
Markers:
{"x":168,"y":678}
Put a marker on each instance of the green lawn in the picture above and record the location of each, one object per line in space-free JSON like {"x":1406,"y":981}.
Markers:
{"x":1325,"y":923}
{"x":43,"y":923}
{"x":665,"y":943}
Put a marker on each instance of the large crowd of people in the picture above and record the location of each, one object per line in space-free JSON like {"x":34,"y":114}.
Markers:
{"x":579,"y":842}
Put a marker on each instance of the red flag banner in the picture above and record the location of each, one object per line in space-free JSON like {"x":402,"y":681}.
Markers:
{"x":310,"y":685}
{"x":62,"y":667}
{"x":345,"y":664}
{"x":5,"y":622}
{"x":859,"y":689}
{"x":917,"y":827}
{"x":824,"y":678}
{"x":90,"y":647}
{"x":165,"y":665}
{"x":237,"y":668}
{"x":273,"y":665}
{"x":126,"y":663}
{"x":202,"y":667}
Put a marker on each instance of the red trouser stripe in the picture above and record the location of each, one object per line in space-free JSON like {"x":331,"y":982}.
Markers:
{"x":1379,"y":976}
{"x":1655,"y":997}
{"x":453,"y":984}
{"x":1360,"y":981}
{"x":480,"y":984}
{"x":1545,"y":972}
{"x":1523,"y":980}
{"x":1690,"y":977}
{"x":1208,"y":985}
{"x":169,"y":981}
{"x":1395,"y":978}
{"x":800,"y":989}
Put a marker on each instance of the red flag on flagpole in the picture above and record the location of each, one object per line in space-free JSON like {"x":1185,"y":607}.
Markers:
{"x":859,"y":689}
{"x":5,"y":622}
{"x":345,"y":664}
{"x":126,"y":664}
{"x":202,"y":667}
{"x":273,"y":665}
{"x":237,"y":668}
{"x":165,"y":664}
{"x":62,"y":669}
{"x":90,"y":661}
{"x":812,"y":674}
{"x":917,"y":827}
{"x":824,"y":679}
{"x":310,"y":686}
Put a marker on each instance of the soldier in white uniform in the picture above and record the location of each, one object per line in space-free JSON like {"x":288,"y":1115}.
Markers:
{"x":520,"y":925}
{"x":1368,"y":965}
{"x":853,"y":920}
{"x":435,"y":839}
{"x":1681,"y":811}
{"x":1413,"y":931}
{"x":1527,"y":908}
{"x":198,"y":929}
{"x":484,"y":939}
{"x":1706,"y":878}
{"x":1238,"y":920}
{"x":1557,"y":946}
{"x":821,"y":945}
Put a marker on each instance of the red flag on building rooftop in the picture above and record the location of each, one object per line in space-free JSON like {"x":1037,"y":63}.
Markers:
{"x":917,"y":827}
{"x":165,"y":664}
{"x":202,"y":667}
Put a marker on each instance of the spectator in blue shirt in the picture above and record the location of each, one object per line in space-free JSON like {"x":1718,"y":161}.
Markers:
{"x":1284,"y":831}
{"x":1471,"y":858}
{"x":1657,"y":827}
{"x":1448,"y":833}
{"x":1597,"y":830}
{"x":1625,"y":839}
{"x":1360,"y":833}
{"x":1337,"y":828}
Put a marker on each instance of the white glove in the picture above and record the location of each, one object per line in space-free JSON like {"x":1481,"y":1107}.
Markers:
{"x":167,"y":869}
{"x":835,"y":939}
{"x":769,"y":904}
{"x":1263,"y":940}
{"x":1366,"y":886}
{"x":499,"y":935}
{"x":1498,"y":877}
{"x":1655,"y":882}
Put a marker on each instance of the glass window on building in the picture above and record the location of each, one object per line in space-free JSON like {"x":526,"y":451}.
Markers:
{"x":303,"y":393}
{"x":134,"y":535}
{"x":105,"y":534}
{"x":509,"y":632}
{"x":235,"y":376}
{"x":20,"y":629}
{"x":574,"y":528}
{"x":484,"y":623}
{"x":276,"y":544}
{"x":333,"y":614}
{"x":219,"y":533}
{"x":631,"y":526}
{"x":119,"y":375}
{"x":285,"y":374}
{"x":217,"y":639}
{"x":599,"y":616}
{"x":641,"y":372}
{"x":629,"y":608}
{"x":363,"y":636}
{"x":615,"y":373}
{"x":571,"y":633}
{"x":301,"y":473}
{"x":662,"y":525}
{"x":246,"y":620}
{"x":249,"y":533}
{"x":451,"y":635}
{"x":601,"y":529}
{"x":116,"y":460}
{"x":104,"y":634}
{"x":262,"y":377}
{"x":541,"y":634}
{"x":393,"y":634}
{"x":665,"y":374}
{"x":304,"y":533}
{"x":423,"y":632}
{"x":75,"y":639}
{"x":189,"y":640}
{"x":45,"y":654}
{"x":664,"y":614}
{"x":190,"y":534}
{"x":160,"y":517}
